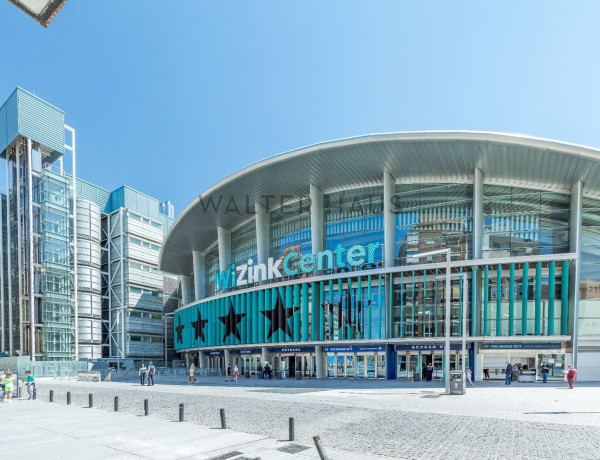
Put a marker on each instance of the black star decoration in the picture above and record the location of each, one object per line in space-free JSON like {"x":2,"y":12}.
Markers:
{"x":179,"y":330}
{"x":198,"y":326}
{"x":279,"y":318}
{"x":231,"y":320}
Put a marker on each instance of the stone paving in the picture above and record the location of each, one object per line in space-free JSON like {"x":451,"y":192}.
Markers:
{"x":393,"y":419}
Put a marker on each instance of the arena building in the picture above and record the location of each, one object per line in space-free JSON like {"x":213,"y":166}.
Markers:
{"x":316,"y":259}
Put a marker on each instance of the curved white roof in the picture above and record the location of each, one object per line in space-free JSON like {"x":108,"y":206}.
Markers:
{"x":425,"y":156}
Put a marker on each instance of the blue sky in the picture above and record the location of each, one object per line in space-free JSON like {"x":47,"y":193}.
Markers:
{"x":170,"y":97}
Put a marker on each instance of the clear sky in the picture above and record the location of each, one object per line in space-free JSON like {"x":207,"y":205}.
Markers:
{"x":169,"y":97}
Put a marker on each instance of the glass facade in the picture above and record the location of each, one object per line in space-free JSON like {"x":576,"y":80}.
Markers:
{"x":523,"y":222}
{"x":431,"y":217}
{"x":211,"y":262}
{"x":290,"y":230}
{"x":589,"y":288}
{"x":243,"y":243}
{"x":354,"y":217}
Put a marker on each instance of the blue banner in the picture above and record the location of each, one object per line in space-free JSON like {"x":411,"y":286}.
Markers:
{"x":352,"y":349}
{"x":522,"y":346}
{"x":292,"y":350}
{"x":429,"y":347}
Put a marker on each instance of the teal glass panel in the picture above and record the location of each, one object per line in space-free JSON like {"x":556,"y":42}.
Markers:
{"x":313,"y":311}
{"x":289,"y":304}
{"x":524,"y":298}
{"x":296,"y":304}
{"x":304,"y":317}
{"x":261,"y":317}
{"x":499,"y":300}
{"x":486,"y":287}
{"x":551,"y":295}
{"x":255,"y":323}
{"x":511,"y":301}
{"x":321,"y":310}
{"x":369,"y":306}
{"x":538,"y":299}
{"x":474,"y":302}
{"x":381,"y":302}
{"x":564,"y":299}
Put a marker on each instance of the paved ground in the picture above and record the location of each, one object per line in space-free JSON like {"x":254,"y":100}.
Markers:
{"x":399,"y":420}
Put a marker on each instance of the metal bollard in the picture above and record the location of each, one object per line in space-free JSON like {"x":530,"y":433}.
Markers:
{"x":68,"y":397}
{"x":51,"y":395}
{"x":145,"y":407}
{"x":291,"y":429}
{"x":223,"y":420}
{"x":320,"y":448}
{"x":116,"y":404}
{"x":181,"y":412}
{"x":91,"y":399}
{"x":34,"y":394}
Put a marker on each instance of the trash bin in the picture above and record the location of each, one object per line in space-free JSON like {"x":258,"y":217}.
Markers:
{"x":298,"y":375}
{"x":247,"y":374}
{"x":416,"y":375}
{"x":457,"y":383}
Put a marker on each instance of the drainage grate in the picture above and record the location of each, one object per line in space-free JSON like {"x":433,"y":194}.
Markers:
{"x":292,"y":448}
{"x":231,"y":454}
{"x":431,"y":396}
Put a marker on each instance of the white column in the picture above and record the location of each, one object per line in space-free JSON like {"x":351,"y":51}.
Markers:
{"x":575,"y":268}
{"x":31,"y":261}
{"x":265,"y":356}
{"x":186,"y":289}
{"x":228,"y":360}
{"x":389,"y":184}
{"x":224,"y":241}
{"x":262,"y":233}
{"x":477,"y":244}
{"x":320,"y":362}
{"x":317,"y":229}
{"x":9,"y":259}
{"x":199,"y":261}
{"x":202,"y":360}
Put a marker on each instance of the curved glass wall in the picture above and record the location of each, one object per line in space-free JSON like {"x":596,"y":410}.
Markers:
{"x":523,"y":222}
{"x":431,"y":217}
{"x":589,"y":288}
{"x":290,"y":229}
{"x":354,"y":217}
{"x":243,"y":243}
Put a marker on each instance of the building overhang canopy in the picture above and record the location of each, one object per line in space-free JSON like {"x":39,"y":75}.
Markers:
{"x":410,"y":157}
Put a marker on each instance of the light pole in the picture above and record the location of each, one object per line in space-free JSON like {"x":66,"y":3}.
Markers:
{"x":447,"y":251}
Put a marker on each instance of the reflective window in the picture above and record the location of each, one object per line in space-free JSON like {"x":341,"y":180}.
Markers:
{"x":589,"y":287}
{"x":243,"y":243}
{"x":290,"y":229}
{"x":212,"y":268}
{"x":354,"y":217}
{"x":522,"y":222}
{"x":431,"y":217}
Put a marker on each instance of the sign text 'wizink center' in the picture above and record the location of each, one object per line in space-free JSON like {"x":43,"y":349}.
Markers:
{"x":240,"y":275}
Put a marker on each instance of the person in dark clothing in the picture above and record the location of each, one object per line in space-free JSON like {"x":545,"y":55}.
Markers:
{"x":429,"y":372}
{"x":228,"y":373}
{"x":259,"y":369}
{"x":545,"y":369}
{"x":508,"y":373}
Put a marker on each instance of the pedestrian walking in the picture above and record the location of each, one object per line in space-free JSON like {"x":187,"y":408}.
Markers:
{"x":545,"y":369}
{"x":260,"y":371}
{"x":228,"y":377}
{"x":30,"y":383}
{"x":143,"y":372}
{"x":469,"y":376}
{"x":151,"y":372}
{"x":508,"y":373}
{"x":236,"y":372}
{"x":571,"y":374}
{"x":8,"y":386}
{"x":193,"y":373}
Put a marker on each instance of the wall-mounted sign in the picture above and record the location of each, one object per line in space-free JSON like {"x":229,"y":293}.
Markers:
{"x":241,"y":275}
{"x":429,"y":347}
{"x":292,"y":350}
{"x":255,"y":351}
{"x":522,"y":346}
{"x":216,"y":353}
{"x":351,"y":349}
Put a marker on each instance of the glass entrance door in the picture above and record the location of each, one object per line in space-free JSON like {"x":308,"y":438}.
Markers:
{"x":381,"y":365}
{"x":371,"y":366}
{"x":360,"y":366}
{"x":350,"y":367}
{"x":341,"y":367}
{"x":402,"y":370}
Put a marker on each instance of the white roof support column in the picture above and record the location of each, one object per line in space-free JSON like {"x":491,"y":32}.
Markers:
{"x":199,"y":260}
{"x":224,"y":241}
{"x":317,"y":229}
{"x":575,"y":268}
{"x":389,"y":185}
{"x":186,"y":289}
{"x":477,"y":246}
{"x":262,"y":232}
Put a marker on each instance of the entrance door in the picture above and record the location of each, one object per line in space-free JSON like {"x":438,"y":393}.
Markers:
{"x":402,"y":366}
{"x":360,"y":366}
{"x":371,"y":366}
{"x":331,"y":366}
{"x":341,"y":367}
{"x":292,"y":367}
{"x":350,"y":367}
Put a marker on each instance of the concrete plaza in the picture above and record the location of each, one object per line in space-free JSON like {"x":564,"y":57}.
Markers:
{"x":355,"y":419}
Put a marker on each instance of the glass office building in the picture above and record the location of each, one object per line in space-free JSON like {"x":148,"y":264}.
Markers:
{"x":78,"y":267}
{"x":323,"y":267}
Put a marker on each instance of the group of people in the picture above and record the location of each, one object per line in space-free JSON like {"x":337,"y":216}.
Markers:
{"x":236,"y":373}
{"x":7,"y":383}
{"x":265,"y":372}
{"x":147,"y":372}
{"x":511,"y":373}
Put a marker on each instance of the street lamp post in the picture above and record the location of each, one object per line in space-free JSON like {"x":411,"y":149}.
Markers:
{"x":447,"y":251}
